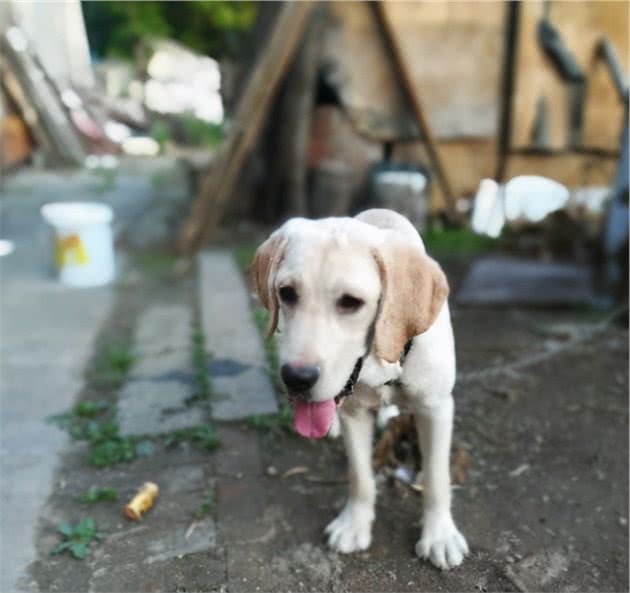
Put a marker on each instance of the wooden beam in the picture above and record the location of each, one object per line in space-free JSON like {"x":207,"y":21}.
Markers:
{"x":217,"y":185}
{"x":508,"y":77}
{"x":406,"y":79}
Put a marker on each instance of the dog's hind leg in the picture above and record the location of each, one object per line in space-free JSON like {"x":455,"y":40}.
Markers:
{"x":352,"y":529}
{"x":441,"y":542}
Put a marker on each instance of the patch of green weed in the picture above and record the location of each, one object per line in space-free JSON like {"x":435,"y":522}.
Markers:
{"x":205,"y":437}
{"x":88,"y":409}
{"x":261,"y":318}
{"x":107,"y":447}
{"x":94,"y":494}
{"x":111,"y":365}
{"x":207,"y":504}
{"x":79,"y":422}
{"x":244,"y":255}
{"x":77,"y":539}
{"x":156,"y":263}
{"x":459,"y":241}
{"x":161,"y":132}
{"x":200,"y":133}
{"x":112,"y":451}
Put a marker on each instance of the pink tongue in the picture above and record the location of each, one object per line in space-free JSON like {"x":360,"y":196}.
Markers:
{"x":313,"y":419}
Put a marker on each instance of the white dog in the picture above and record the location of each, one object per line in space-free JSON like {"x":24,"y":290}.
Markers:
{"x":364,"y":319}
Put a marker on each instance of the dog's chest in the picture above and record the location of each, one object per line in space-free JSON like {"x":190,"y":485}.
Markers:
{"x":375,"y":373}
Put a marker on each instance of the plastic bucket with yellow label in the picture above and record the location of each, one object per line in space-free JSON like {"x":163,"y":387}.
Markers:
{"x":84,"y":245}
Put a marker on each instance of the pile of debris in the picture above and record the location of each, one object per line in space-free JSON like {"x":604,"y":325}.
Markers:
{"x":60,"y":110}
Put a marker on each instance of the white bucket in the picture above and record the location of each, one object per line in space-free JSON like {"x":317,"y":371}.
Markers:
{"x":84,"y":245}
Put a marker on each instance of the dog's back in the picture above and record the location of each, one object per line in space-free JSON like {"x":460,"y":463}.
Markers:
{"x":391,"y":220}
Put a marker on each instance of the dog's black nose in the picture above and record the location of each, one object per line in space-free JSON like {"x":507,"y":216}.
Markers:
{"x":299,"y":378}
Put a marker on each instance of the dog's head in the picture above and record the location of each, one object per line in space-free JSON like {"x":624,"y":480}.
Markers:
{"x":340,"y":287}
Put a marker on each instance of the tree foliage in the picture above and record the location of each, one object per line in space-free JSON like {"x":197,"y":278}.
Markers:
{"x":216,"y":28}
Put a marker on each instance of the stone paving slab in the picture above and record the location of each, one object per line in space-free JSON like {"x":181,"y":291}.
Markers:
{"x":156,"y":407}
{"x":164,"y":328}
{"x":153,"y":401}
{"x":240,"y":381}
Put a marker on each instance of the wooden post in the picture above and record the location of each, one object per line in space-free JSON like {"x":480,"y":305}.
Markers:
{"x":217,"y":185}
{"x":406,"y":79}
{"x":291,"y":119}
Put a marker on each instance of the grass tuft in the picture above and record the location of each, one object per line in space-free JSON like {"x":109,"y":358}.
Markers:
{"x":77,"y":539}
{"x":205,"y":437}
{"x":94,"y":494}
{"x":207,"y":504}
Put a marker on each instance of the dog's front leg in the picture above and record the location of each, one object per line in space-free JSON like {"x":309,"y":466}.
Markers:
{"x":352,"y":529}
{"x":441,"y":542}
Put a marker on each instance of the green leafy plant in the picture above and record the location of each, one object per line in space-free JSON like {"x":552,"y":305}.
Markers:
{"x":107,"y":446}
{"x":205,"y":437}
{"x":77,"y":539}
{"x":112,"y":451}
{"x":113,"y":362}
{"x":200,"y":133}
{"x":94,"y":494}
{"x":161,"y":132}
{"x":244,"y":255}
{"x":207,"y":503}
{"x":217,"y":28}
{"x":79,"y":421}
{"x":88,"y":409}
{"x":156,"y":263}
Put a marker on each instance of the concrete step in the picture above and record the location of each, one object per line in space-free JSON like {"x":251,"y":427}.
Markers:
{"x":240,"y":381}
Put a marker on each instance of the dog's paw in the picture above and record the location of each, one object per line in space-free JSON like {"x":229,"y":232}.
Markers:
{"x":441,"y":542}
{"x":351,"y":531}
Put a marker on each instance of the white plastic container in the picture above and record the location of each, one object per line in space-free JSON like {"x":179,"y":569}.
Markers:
{"x":84,"y":244}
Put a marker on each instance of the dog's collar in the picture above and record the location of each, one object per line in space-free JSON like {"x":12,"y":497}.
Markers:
{"x":352,"y":380}
{"x":356,"y":371}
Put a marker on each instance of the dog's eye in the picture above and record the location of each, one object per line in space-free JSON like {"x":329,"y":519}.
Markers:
{"x":288,"y":295}
{"x":349,"y":304}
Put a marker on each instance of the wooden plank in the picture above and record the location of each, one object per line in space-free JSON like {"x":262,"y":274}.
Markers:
{"x":359,"y":69}
{"x":293,"y":114}
{"x":401,"y":65}
{"x":454,"y":64}
{"x":581,"y":26}
{"x":218,"y":184}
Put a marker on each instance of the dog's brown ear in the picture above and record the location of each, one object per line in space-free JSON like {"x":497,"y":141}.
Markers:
{"x":414,"y":288}
{"x":262,"y":274}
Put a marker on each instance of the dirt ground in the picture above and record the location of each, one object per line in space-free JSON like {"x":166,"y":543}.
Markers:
{"x":541,"y":407}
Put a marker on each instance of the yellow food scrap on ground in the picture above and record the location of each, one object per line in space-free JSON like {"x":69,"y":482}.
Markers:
{"x":142,"y":501}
